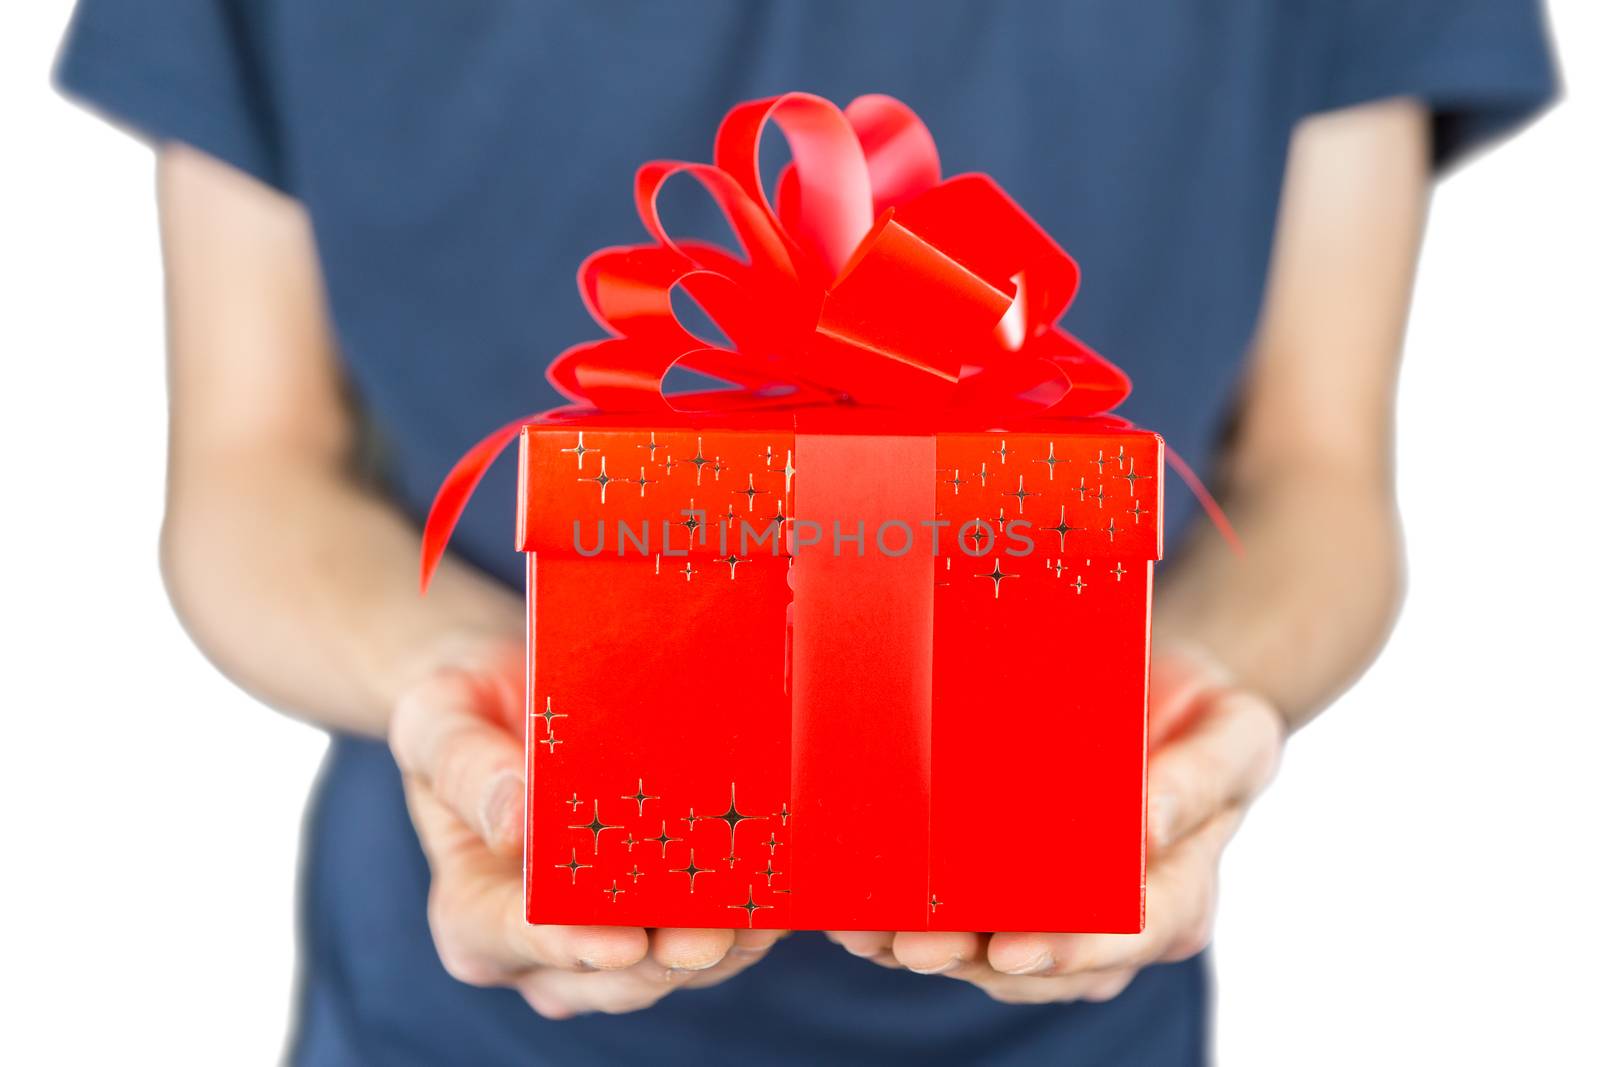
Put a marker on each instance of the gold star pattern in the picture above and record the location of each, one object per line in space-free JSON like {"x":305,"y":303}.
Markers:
{"x":1131,"y":477}
{"x":750,"y":907}
{"x":595,"y":826}
{"x":750,"y":492}
{"x":1050,"y":461}
{"x":733,"y":817}
{"x":639,"y":796}
{"x":1062,"y":527}
{"x":602,"y":479}
{"x":691,"y":870}
{"x":1020,"y":493}
{"x":996,"y":576}
{"x":663,"y":839}
{"x":699,"y":459}
{"x":550,"y":713}
{"x":572,"y":866}
{"x":580,"y":450}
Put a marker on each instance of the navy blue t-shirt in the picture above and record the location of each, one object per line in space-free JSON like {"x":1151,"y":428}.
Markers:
{"x":459,"y":157}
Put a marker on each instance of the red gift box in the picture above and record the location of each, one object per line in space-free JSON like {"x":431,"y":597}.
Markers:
{"x":861,"y":642}
{"x":920,"y":707}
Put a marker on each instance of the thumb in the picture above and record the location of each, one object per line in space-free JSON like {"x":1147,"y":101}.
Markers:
{"x":1228,"y":755}
{"x":442,"y":734}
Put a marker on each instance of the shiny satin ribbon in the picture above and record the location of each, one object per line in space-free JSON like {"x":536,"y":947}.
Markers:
{"x":871,"y":283}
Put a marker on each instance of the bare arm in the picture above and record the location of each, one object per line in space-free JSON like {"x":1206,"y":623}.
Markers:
{"x":300,"y":584}
{"x":290,"y":575}
{"x":1246,"y":648}
{"x":1310,"y":480}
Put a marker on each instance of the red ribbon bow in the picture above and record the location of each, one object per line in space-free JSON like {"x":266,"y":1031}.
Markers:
{"x":871,"y":283}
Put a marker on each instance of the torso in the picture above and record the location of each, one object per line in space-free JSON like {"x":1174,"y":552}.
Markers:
{"x":458,"y":162}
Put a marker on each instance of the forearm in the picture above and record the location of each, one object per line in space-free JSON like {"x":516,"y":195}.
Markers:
{"x":1308,"y":606}
{"x":301,"y":586}
{"x":1311,"y":470}
{"x":297,"y":581}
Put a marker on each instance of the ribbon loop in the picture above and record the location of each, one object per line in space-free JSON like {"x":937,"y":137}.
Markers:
{"x":833,"y":197}
{"x":873,"y":283}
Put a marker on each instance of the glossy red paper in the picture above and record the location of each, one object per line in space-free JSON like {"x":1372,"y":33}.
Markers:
{"x":951,"y":737}
{"x":919,"y":726}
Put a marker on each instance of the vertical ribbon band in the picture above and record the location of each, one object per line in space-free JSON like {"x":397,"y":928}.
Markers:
{"x":862,"y":719}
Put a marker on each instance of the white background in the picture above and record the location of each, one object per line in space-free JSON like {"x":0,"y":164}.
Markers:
{"x":1420,"y":885}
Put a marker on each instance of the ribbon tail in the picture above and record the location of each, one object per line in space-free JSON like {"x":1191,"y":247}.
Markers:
{"x":458,"y":486}
{"x":1208,"y":503}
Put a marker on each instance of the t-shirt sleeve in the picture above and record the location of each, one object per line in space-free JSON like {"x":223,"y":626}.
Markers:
{"x":1484,"y":67}
{"x":194,"y":71}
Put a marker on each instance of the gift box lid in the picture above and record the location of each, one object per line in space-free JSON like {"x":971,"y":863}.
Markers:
{"x":1063,"y":488}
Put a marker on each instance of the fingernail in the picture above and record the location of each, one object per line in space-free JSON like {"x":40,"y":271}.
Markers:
{"x":1162,"y":812}
{"x":502,"y":809}
{"x":945,"y":967}
{"x":696,"y":966}
{"x":1042,"y":962}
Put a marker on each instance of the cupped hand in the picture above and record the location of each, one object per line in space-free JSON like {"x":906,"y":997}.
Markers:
{"x":456,"y":735}
{"x":1213,"y":748}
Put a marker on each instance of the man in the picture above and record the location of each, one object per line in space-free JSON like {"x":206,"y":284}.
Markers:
{"x":371,"y":213}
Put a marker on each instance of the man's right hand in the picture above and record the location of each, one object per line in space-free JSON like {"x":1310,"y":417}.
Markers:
{"x":457,"y":736}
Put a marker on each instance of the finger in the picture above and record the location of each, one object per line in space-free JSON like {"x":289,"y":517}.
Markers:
{"x":755,"y":942}
{"x":1180,"y":902}
{"x":1093,"y":986}
{"x":1102,"y":986}
{"x":1191,"y":886}
{"x":475,"y":910}
{"x":1011,"y":989}
{"x":739,"y":958}
{"x":561,"y":994}
{"x":1228,"y":755}
{"x":867,"y":944}
{"x":440,"y":734}
{"x":936,"y":952}
{"x":690,"y":950}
